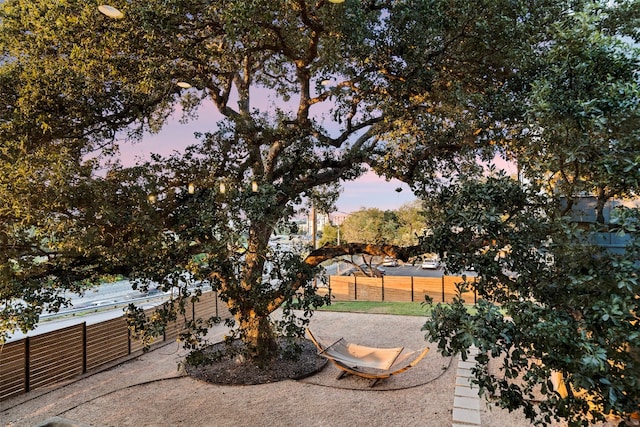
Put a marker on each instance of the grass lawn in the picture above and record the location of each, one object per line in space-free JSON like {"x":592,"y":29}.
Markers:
{"x":375,"y":307}
{"x":398,"y":308}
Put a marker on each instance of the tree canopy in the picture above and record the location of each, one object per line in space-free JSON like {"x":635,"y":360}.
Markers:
{"x":551,"y":301}
{"x":310,"y":94}
{"x":399,"y":227}
{"x":557,"y":298}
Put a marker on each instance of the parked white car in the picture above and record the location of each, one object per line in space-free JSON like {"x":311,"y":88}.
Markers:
{"x":390,"y":262}
{"x":430,"y":263}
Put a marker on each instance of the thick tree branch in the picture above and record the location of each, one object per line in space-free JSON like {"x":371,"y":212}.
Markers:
{"x":328,"y":252}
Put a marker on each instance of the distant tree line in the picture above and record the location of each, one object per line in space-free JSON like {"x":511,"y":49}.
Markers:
{"x":399,"y":227}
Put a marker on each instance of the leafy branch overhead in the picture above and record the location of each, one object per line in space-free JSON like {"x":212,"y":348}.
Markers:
{"x":303,"y":96}
{"x":306,"y":95}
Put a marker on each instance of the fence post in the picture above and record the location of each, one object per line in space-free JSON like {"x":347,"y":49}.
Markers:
{"x":412,"y":300}
{"x":355,"y":288}
{"x":382,"y":282}
{"x":443,"y":288}
{"x":27,"y":365}
{"x":84,"y":347}
{"x":216,"y":297}
{"x":475,"y":290}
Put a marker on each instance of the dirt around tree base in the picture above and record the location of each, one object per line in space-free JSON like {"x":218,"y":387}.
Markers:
{"x":226,"y":365}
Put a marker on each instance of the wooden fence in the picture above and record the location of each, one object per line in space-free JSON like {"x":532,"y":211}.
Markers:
{"x":398,"y":288}
{"x":42,"y":360}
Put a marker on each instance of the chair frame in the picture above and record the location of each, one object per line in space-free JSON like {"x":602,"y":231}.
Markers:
{"x":349,"y":359}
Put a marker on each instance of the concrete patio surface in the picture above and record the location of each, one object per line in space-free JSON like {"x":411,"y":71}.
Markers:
{"x":151,"y":390}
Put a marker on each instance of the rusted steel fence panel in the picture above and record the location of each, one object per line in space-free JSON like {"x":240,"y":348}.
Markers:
{"x":368,"y":288}
{"x":451,"y":290}
{"x":342,"y":288}
{"x":398,"y":288}
{"x":431,"y":286}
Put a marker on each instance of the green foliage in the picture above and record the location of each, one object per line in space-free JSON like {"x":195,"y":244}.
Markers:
{"x":396,"y":227}
{"x":411,"y":222}
{"x":367,"y":226}
{"x":399,"y":227}
{"x":310,"y":94}
{"x":571,"y":305}
{"x":584,"y":113}
{"x":575,"y":315}
{"x":330,"y":235}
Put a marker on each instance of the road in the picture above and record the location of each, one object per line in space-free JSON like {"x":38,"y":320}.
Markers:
{"x":107,"y":300}
{"x":105,"y":294}
{"x":337,"y":269}
{"x":101,"y":303}
{"x":112,"y":293}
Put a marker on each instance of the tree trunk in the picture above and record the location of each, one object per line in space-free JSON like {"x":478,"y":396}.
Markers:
{"x":601,"y":201}
{"x":258,"y":336}
{"x":252,"y":304}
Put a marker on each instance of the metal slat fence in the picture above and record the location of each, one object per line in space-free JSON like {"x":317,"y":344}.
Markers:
{"x":42,"y":360}
{"x":60,"y":355}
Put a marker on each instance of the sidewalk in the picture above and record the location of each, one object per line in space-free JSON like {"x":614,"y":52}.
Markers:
{"x":149,"y":390}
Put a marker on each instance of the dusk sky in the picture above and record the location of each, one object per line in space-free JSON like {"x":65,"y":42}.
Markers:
{"x":369,"y":191}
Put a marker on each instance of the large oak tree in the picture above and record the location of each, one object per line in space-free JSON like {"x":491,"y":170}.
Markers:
{"x":307,"y":94}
